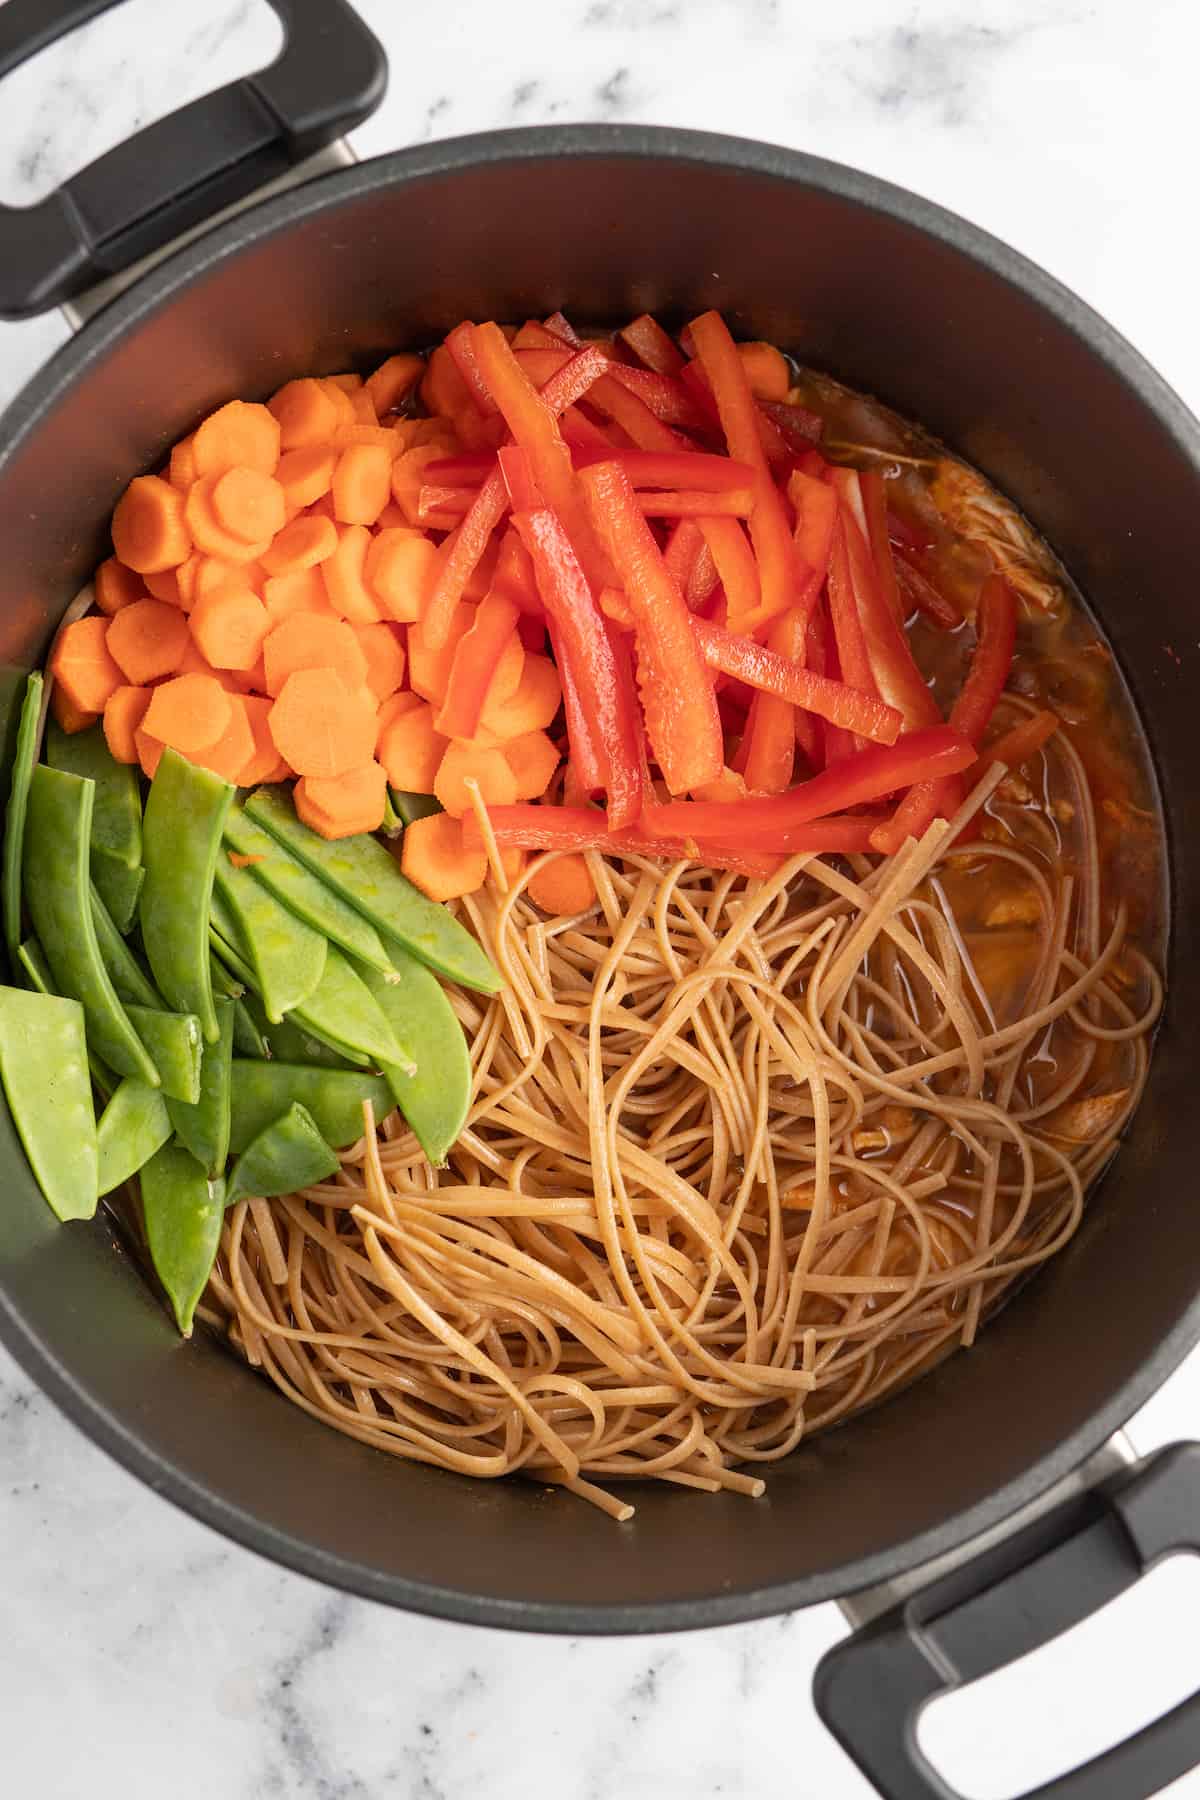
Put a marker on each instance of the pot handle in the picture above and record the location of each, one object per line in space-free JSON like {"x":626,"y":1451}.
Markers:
{"x":870,"y":1689}
{"x":330,"y":75}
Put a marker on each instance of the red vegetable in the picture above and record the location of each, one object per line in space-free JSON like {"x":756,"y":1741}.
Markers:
{"x":737,"y":570}
{"x":919,"y":594}
{"x":870,"y":484}
{"x":670,"y":469}
{"x":895,"y":673}
{"x":517,"y":476}
{"x":474,"y":664}
{"x":459,"y":555}
{"x":537,"y":827}
{"x":798,"y":427}
{"x":1023,"y":741}
{"x":650,"y":343}
{"x":786,"y":677}
{"x":770,"y":740}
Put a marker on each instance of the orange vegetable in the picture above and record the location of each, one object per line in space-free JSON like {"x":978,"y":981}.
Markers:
{"x":564,"y":885}
{"x":253,"y":680}
{"x":532,"y":707}
{"x":307,"y":541}
{"x":443,"y":389}
{"x":434,"y":859}
{"x":394,"y":380}
{"x":301,"y":591}
{"x":305,"y":412}
{"x":361,"y":484}
{"x":310,"y":641}
{"x":345,"y":578}
{"x":306,"y":474}
{"x":149,"y":752}
{"x":181,"y":471}
{"x":240,"y":434}
{"x":477,"y":665}
{"x":266,"y":764}
{"x":408,"y":478}
{"x":396,"y":705}
{"x":497,"y":783}
{"x":164,"y":586}
{"x":392,"y":518}
{"x":347,"y":380}
{"x":194,"y":662}
{"x":116,"y":586}
{"x":241,"y":861}
{"x":429,"y":670}
{"x":209,"y":535}
{"x":319,"y":725}
{"x":332,"y":388}
{"x":72,"y":718}
{"x":399,"y":569}
{"x":344,"y":806}
{"x":383,"y":647}
{"x":766,"y":371}
{"x":230,"y":627}
{"x":235,"y":750}
{"x":533,"y":759}
{"x":123,"y":713}
{"x":149,"y":531}
{"x":147,"y":639}
{"x":185,"y":580}
{"x":190,"y":713}
{"x":409,"y":747}
{"x":212,"y":573}
{"x":249,"y":505}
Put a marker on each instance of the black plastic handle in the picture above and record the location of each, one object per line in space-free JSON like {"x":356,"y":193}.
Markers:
{"x":871,"y":1688}
{"x":330,"y":75}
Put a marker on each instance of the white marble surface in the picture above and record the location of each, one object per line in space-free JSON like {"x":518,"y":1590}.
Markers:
{"x":140,"y":1654}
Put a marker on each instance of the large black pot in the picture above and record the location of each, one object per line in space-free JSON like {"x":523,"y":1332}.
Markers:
{"x":949,"y":326}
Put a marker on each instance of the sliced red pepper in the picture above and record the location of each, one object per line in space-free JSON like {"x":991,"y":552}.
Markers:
{"x":736,"y":568}
{"x":569,"y":377}
{"x":628,"y":410}
{"x":870,"y":483}
{"x":813,"y":734}
{"x":538,"y":827}
{"x":703,"y":583}
{"x":665,"y":469}
{"x":1023,"y":741}
{"x":678,"y":698}
{"x":523,"y":491}
{"x":513,"y":576}
{"x":461,"y":347}
{"x":651,"y":344}
{"x":771,"y":726}
{"x":625,"y":809}
{"x":458,"y":556}
{"x":474,"y":665}
{"x":798,"y":427}
{"x":470,"y":469}
{"x":682,"y":548}
{"x":848,"y":637}
{"x":896,"y":675}
{"x":918,"y":594}
{"x":815,"y":504}
{"x":531,"y":629}
{"x":771,"y":440}
{"x":436,"y":503}
{"x":562,"y":328}
{"x":582,"y":433}
{"x":659,"y":503}
{"x":785,"y":676}
{"x":666,"y":397}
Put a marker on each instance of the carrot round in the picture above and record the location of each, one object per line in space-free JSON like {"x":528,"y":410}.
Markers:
{"x":394,"y":380}
{"x":265,"y":764}
{"x":301,"y":591}
{"x":254,"y":679}
{"x":319,"y":726}
{"x":345,"y":578}
{"x":308,"y":641}
{"x":533,"y":759}
{"x":181,"y":470}
{"x":345,"y":805}
{"x":83,"y":663}
{"x":149,"y":751}
{"x":194,"y":662}
{"x":189,"y":713}
{"x":185,"y":580}
{"x":72,"y":718}
{"x":212,"y":573}
{"x":240,"y":434}
{"x":123,"y":713}
{"x":409,"y":747}
{"x":429,"y":670}
{"x":235,"y":749}
{"x":766,"y":371}
{"x":433,"y":857}
{"x":208,"y":533}
{"x":305,"y":413}
{"x":230,"y":627}
{"x":147,"y":639}
{"x":303,"y":544}
{"x":149,"y":530}
{"x":383,"y":647}
{"x":408,"y":478}
{"x":249,"y":504}
{"x":564,"y":885}
{"x":361,"y":484}
{"x":497,"y":783}
{"x":398,"y":569}
{"x":531,"y":707}
{"x":395,"y":706}
{"x":116,"y":586}
{"x":306,"y":474}
{"x":163,"y":584}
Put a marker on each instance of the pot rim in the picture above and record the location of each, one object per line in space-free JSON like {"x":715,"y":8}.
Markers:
{"x":118,"y":1436}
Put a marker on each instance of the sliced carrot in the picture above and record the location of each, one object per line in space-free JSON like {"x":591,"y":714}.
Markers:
{"x":266,"y":763}
{"x":533,"y":759}
{"x":123,"y":713}
{"x":766,"y":371}
{"x":364,"y":406}
{"x":190,"y":713}
{"x":383,"y":647}
{"x":165,"y":586}
{"x":361,"y":484}
{"x":434,"y":859}
{"x":230,"y":627}
{"x":497,"y":783}
{"x":185,"y":580}
{"x":729,"y":785}
{"x":301,"y":591}
{"x":149,"y":530}
{"x":149,"y":752}
{"x":531,"y":708}
{"x":303,"y":544}
{"x":194,"y":662}
{"x":339,"y":399}
{"x":254,"y":680}
{"x":72,"y":718}
{"x":311,"y":641}
{"x":181,"y":470}
{"x":249,"y":505}
{"x":399,"y":569}
{"x":378,"y":437}
{"x":240,"y":434}
{"x":319,"y":725}
{"x":147,"y":639}
{"x":209,"y":535}
{"x":443,"y":389}
{"x":476,"y":663}
{"x":408,"y":478}
{"x":429,"y":670}
{"x":212,"y":573}
{"x":348,"y":381}
{"x":410,"y":749}
{"x":235,"y":750}
{"x":394,"y":380}
{"x":306,"y":474}
{"x":116,"y":586}
{"x":396,"y":705}
{"x":391,"y":518}
{"x":564,"y":885}
{"x":345,"y":578}
{"x":305,"y":413}
{"x":343,"y":807}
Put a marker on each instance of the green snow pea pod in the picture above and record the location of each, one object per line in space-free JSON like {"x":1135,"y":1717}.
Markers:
{"x":117,"y":810}
{"x":248,"y":1040}
{"x":185,"y":815}
{"x":174,"y":1041}
{"x":43,"y":1064}
{"x":203,"y":1126}
{"x":183,"y":1211}
{"x":435,"y":1099}
{"x":288,"y":956}
{"x":366,"y":875}
{"x":133,"y":1125}
{"x":262,"y":1091}
{"x":343,"y":1012}
{"x":289,"y":1042}
{"x":288,"y":1154}
{"x":24,"y":758}
{"x":119,"y":888}
{"x":33,"y":961}
{"x":411,"y":807}
{"x":58,"y":895}
{"x":302,"y":892}
{"x":124,"y":970}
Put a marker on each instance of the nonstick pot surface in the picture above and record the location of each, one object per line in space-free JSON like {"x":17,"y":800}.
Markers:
{"x":950,"y":327}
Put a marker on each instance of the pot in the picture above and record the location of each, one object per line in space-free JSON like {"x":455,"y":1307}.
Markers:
{"x":950,"y":327}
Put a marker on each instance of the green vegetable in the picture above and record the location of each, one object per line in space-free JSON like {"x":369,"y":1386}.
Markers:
{"x":248,"y":1040}
{"x":124,"y":970}
{"x":287,"y":1154}
{"x":185,"y":815}
{"x":58,"y":896}
{"x":364,"y":874}
{"x":43,"y":1064}
{"x":133,"y":1125}
{"x":183,"y":1211}
{"x":33,"y":961}
{"x":302,"y":891}
{"x":288,"y":955}
{"x":119,"y":888}
{"x":203,"y":1126}
{"x":435,"y":1099}
{"x":24,"y":758}
{"x":343,"y":1012}
{"x":117,"y":812}
{"x":411,"y":807}
{"x":262,"y":1091}
{"x":175,"y":1042}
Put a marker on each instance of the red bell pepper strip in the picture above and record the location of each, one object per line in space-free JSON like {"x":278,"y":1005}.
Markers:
{"x":785,"y":676}
{"x":587,"y":667}
{"x":574,"y":378}
{"x":459,"y":555}
{"x":651,"y":344}
{"x":626,"y":808}
{"x":765,"y":823}
{"x":1022,"y":742}
{"x":682,"y":549}
{"x":771,"y":440}
{"x":799,"y":428}
{"x":870,"y":483}
{"x":531,"y":629}
{"x":435,"y":503}
{"x":678,"y":698}
{"x":523,"y":492}
{"x":562,"y":328}
{"x":470,"y":469}
{"x":461,"y":347}
{"x":771,"y":727}
{"x":588,"y":763}
{"x":582,"y":433}
{"x":657,"y":503}
{"x":474,"y":664}
{"x":540,"y":827}
{"x":703,"y":583}
{"x":737,"y":569}
{"x":513,"y":576}
{"x":815,"y":504}
{"x":691,"y":469}
{"x":611,"y":397}
{"x":895,"y":673}
{"x":970,"y":715}
{"x":666,"y":397}
{"x":844,"y":617}
{"x":918,"y":594}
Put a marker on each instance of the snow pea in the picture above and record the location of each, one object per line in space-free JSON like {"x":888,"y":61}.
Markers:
{"x":133,"y":1125}
{"x":286,"y":1155}
{"x":203,"y":1126}
{"x":58,"y":896}
{"x":125,"y":971}
{"x":411,"y":807}
{"x":262,"y":1091}
{"x":32,"y":959}
{"x":185,"y":814}
{"x":117,"y":809}
{"x":289,"y":1042}
{"x":24,"y":758}
{"x":183,"y":1211}
{"x":119,"y":888}
{"x":175,"y":1042}
{"x":435,"y":1099}
{"x":248,"y":1040}
{"x":343,"y":1012}
{"x":302,"y":891}
{"x":288,"y":956}
{"x":43,"y":1064}
{"x":366,"y":875}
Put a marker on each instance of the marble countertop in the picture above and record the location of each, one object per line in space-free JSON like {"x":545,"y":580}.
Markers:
{"x":142,"y":1654}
